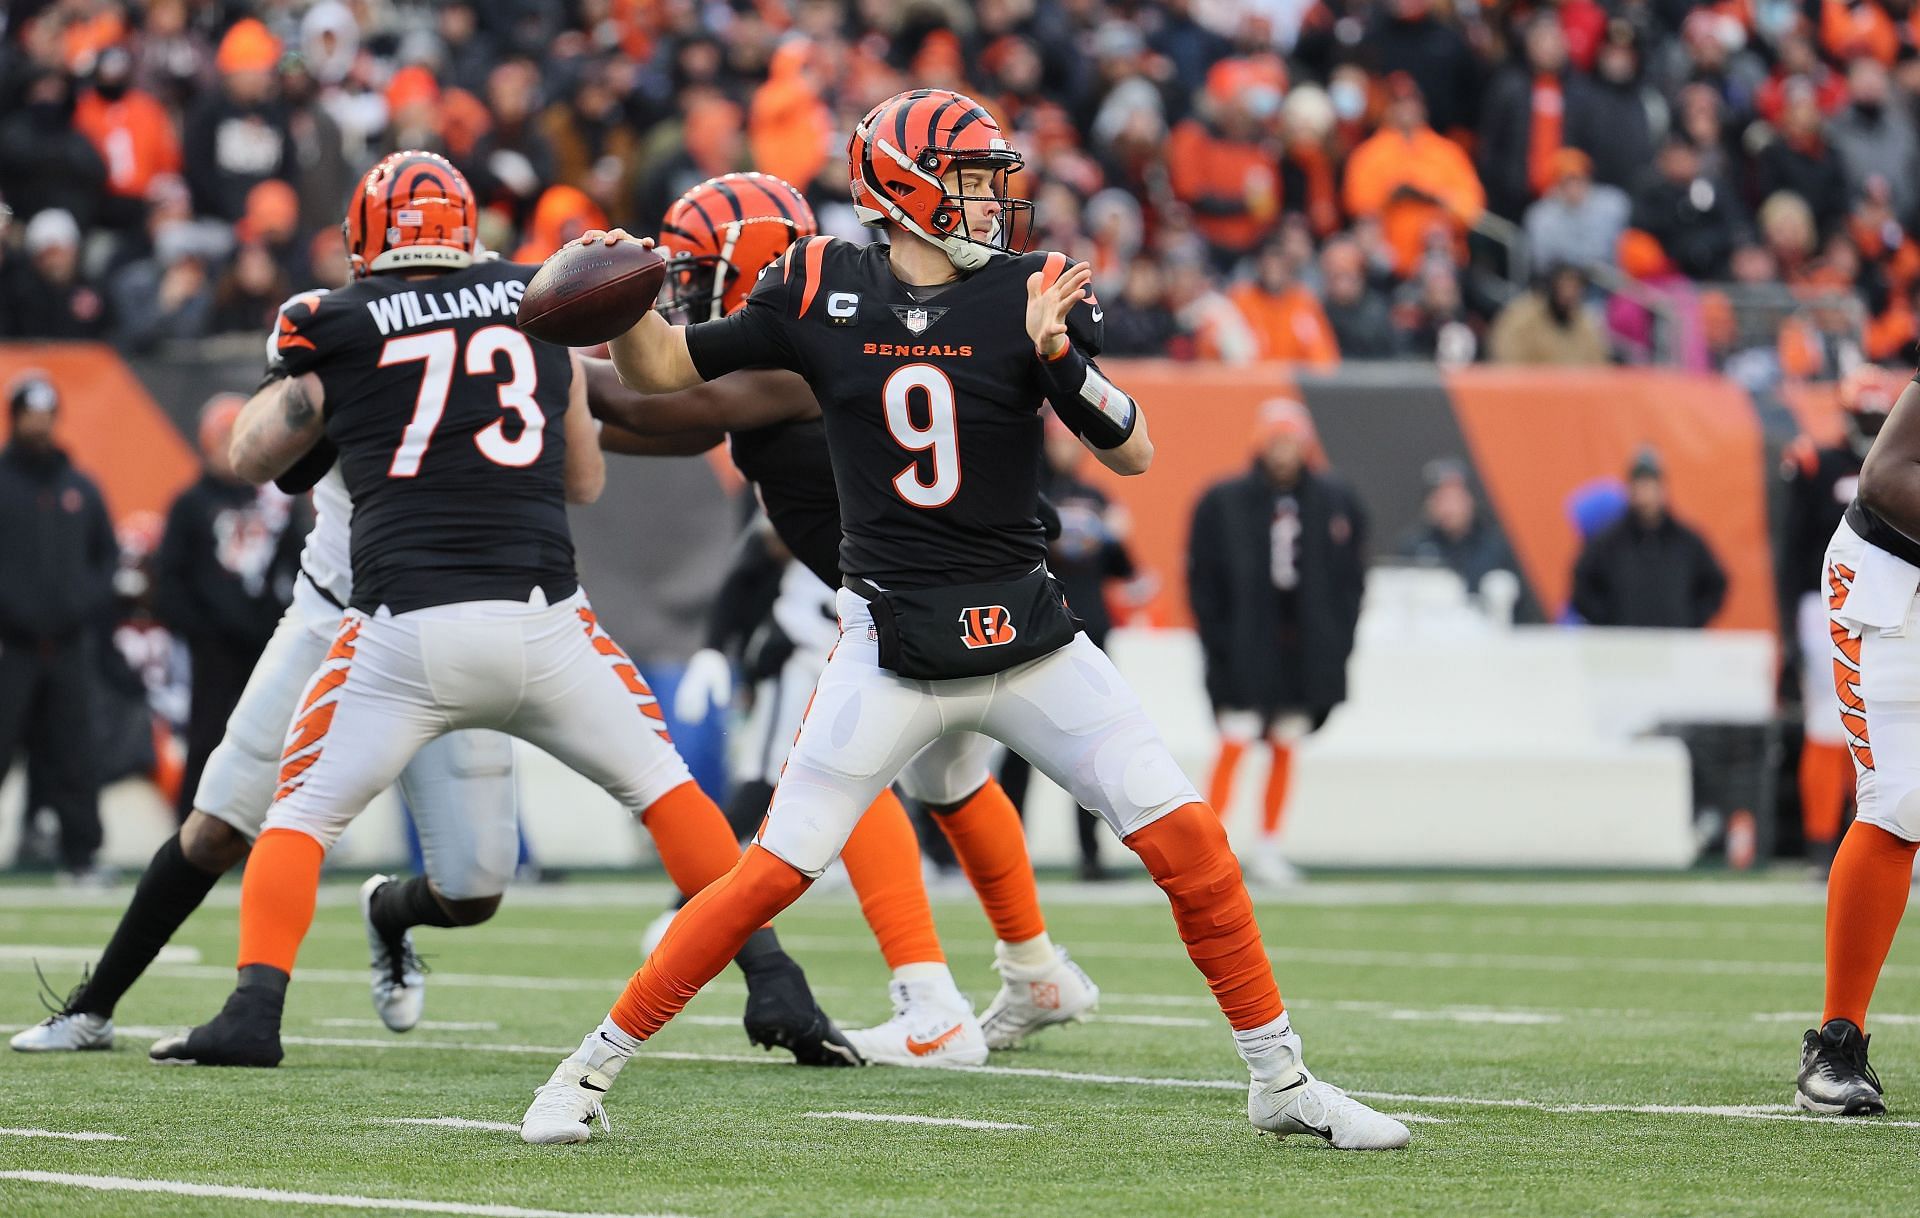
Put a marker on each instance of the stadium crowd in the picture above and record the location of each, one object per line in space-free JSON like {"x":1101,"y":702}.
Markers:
{"x":1312,"y":180}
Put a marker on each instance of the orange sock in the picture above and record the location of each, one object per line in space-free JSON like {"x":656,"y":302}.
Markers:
{"x":277,"y":895}
{"x":696,"y":846}
{"x":1826,"y":777}
{"x":704,"y":936}
{"x":1225,"y":765}
{"x":991,"y":846}
{"x":1279,"y":775}
{"x":883,"y":861}
{"x":1186,"y":852}
{"x":1866,"y":896}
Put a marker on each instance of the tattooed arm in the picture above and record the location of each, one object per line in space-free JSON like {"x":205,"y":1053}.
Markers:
{"x":277,"y":426}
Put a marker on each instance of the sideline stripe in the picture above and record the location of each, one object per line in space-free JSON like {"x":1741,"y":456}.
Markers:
{"x":450,"y":1123}
{"x":900,"y":1118}
{"x":61,"y":1135}
{"x":347,"y":1201}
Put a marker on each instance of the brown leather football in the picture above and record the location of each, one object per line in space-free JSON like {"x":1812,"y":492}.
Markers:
{"x":585,"y":295}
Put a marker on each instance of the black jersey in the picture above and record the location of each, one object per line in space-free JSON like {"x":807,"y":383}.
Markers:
{"x":1820,"y":484}
{"x":448,"y":422}
{"x":930,"y":402}
{"x":789,"y":465}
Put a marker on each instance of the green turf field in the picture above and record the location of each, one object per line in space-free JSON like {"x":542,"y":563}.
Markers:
{"x":1590,"y":1047}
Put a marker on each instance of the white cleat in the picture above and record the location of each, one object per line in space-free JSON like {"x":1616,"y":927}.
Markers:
{"x":566,"y":1105}
{"x":1306,"y":1105}
{"x":1266,"y":866}
{"x":66,"y":1032}
{"x":932,"y":1025}
{"x":399,"y":983}
{"x":656,"y":931}
{"x":1034,"y":998}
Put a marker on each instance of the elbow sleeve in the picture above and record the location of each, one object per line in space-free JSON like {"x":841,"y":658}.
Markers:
{"x":1091,"y":406}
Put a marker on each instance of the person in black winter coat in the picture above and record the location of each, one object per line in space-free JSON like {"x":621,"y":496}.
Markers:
{"x":1612,"y":120}
{"x":1693,"y":215}
{"x":222,"y":578}
{"x":1648,"y":569}
{"x":1275,"y":567}
{"x":236,"y":137}
{"x":57,"y":559}
{"x":44,"y":161}
{"x":1407,"y":37}
{"x":1507,"y":120}
{"x":1452,"y":533}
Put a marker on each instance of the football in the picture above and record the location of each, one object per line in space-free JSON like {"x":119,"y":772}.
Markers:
{"x":585,"y":295}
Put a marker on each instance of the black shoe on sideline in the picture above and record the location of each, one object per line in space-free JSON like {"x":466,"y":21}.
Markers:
{"x":1835,"y":1079}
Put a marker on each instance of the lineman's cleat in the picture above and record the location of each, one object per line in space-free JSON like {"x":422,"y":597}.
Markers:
{"x":1303,"y":1104}
{"x":240,"y":1035}
{"x":1835,"y":1079}
{"x":1034,"y":998}
{"x":932,"y":1025}
{"x":399,"y":981}
{"x":782,"y":1014}
{"x":566,"y":1105}
{"x":65,"y":1029}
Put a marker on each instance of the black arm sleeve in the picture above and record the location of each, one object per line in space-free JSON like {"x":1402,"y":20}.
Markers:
{"x":755,"y":335}
{"x":309,"y":469}
{"x":1091,"y":406}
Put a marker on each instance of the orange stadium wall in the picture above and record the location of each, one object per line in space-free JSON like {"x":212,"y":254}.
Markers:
{"x":109,"y":424}
{"x":1532,"y":436}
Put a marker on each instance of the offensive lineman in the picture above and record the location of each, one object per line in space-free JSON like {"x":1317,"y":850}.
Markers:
{"x":930,"y":375}
{"x":1872,"y":578}
{"x":460,"y":441}
{"x":722,"y":233}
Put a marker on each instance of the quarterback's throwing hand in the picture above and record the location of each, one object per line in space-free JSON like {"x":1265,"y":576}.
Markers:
{"x":611,"y":236}
{"x":1047,"y":307}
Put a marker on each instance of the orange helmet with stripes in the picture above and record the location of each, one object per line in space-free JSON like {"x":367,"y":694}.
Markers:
{"x":899,"y":160}
{"x":413,"y":210}
{"x":718,"y":236}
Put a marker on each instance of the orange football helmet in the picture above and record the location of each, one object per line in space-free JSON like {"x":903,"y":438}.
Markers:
{"x":413,"y":210}
{"x":898,"y":160}
{"x":718,"y":236}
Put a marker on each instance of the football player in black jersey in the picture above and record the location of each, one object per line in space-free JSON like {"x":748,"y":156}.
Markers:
{"x":1820,"y":484}
{"x":930,"y":356}
{"x":720,"y":235}
{"x":461,"y":441}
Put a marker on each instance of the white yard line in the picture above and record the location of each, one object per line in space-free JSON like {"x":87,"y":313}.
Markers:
{"x":900,"y":1118}
{"x":61,"y":1135}
{"x":451,"y":1123}
{"x":1811,"y":1018}
{"x":30,"y":952}
{"x":429,"y":1025}
{"x":275,"y":1196}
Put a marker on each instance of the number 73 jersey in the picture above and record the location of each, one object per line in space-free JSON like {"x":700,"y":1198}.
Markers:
{"x":930,"y":397}
{"x":448,"y":422}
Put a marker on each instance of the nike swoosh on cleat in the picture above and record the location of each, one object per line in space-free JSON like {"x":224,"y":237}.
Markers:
{"x":590,"y":1087}
{"x":920,"y":1048}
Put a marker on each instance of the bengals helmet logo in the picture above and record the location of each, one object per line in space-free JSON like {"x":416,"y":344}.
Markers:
{"x":986,"y":626}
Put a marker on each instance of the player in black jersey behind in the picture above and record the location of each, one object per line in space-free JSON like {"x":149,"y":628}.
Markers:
{"x":930,"y":357}
{"x":461,"y":441}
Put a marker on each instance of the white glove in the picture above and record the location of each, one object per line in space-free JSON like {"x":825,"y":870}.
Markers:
{"x":708,"y":683}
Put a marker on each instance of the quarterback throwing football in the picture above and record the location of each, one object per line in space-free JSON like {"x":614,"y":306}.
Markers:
{"x":930,"y":357}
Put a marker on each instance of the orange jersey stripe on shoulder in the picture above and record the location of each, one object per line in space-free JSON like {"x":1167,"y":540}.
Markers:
{"x":816,"y":254}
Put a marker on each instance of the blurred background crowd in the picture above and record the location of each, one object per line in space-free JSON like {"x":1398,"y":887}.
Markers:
{"x":1730,"y":186}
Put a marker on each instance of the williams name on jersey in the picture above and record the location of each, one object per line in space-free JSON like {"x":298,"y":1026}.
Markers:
{"x":448,"y":423}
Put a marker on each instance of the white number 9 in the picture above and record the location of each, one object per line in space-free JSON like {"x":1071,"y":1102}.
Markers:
{"x":940,"y":436}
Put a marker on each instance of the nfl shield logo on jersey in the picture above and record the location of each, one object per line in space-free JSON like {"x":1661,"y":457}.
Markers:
{"x":916,"y":320}
{"x":986,"y":626}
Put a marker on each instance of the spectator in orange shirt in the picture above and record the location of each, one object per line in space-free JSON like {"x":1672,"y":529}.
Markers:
{"x":789,"y":127}
{"x":1412,"y":179}
{"x":1286,"y":319}
{"x":1221,"y":168}
{"x":133,"y":134}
